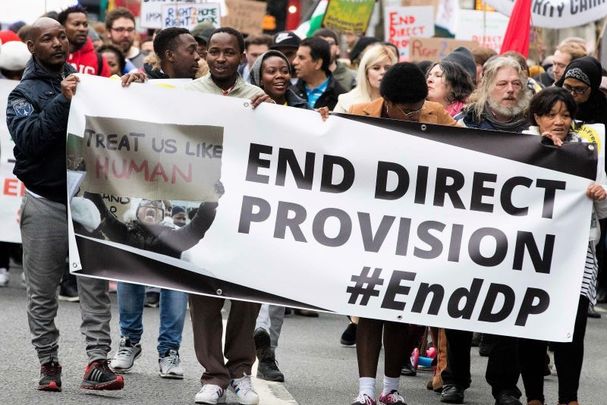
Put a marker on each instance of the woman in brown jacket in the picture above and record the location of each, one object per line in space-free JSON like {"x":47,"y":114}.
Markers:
{"x":403,"y":97}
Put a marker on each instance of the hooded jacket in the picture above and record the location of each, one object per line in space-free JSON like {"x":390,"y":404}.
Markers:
{"x":87,"y":60}
{"x":293,"y":100}
{"x":36,"y":115}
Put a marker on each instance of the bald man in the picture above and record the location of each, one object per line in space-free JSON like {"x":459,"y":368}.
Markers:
{"x":37,"y":115}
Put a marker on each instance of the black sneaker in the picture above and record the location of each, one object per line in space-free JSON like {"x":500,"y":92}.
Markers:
{"x":98,"y":376}
{"x":267,"y":369}
{"x":348,"y":338}
{"x":452,"y":394}
{"x":152,"y":299}
{"x":50,"y":377}
{"x":68,"y":289}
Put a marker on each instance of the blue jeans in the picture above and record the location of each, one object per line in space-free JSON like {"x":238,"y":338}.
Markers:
{"x":173,"y":306}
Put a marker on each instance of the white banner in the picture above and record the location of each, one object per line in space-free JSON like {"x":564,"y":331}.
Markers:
{"x":429,"y":225}
{"x":558,"y":13}
{"x":11,"y":189}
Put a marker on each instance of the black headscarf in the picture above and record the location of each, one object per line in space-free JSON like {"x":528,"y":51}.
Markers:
{"x":588,"y":70}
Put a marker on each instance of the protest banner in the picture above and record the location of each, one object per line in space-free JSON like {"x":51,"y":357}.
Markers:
{"x":432,"y":225}
{"x":558,"y":14}
{"x":244,"y":15}
{"x":435,"y":49}
{"x":11,"y":189}
{"x":402,"y":23}
{"x":348,"y":15}
{"x":484,"y":27}
{"x":187,"y":15}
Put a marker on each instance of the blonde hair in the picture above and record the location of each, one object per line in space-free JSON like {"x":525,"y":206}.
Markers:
{"x":372,"y":55}
{"x":480,"y":96}
{"x":573,"y":49}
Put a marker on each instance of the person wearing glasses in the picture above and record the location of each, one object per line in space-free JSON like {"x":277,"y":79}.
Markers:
{"x":582,"y":78}
{"x":403,"y":92}
{"x":120,"y":26}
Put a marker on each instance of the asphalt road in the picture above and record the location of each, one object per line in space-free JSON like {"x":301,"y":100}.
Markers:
{"x":318,"y":370}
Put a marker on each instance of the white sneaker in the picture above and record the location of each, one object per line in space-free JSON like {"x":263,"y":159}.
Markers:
{"x":210,"y":394}
{"x":244,"y":390}
{"x":3,"y":277}
{"x":170,"y":365}
{"x":124,"y":359}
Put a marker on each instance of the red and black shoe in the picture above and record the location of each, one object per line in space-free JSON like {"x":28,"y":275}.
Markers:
{"x":98,"y":376}
{"x":50,"y":377}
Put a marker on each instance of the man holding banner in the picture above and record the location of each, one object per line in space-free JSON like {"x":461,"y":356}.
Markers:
{"x":225,"y":53}
{"x":37,"y":115}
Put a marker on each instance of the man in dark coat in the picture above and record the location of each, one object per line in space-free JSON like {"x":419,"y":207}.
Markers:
{"x":37,"y":114}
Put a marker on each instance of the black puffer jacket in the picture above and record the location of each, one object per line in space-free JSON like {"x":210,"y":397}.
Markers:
{"x":36,"y":116}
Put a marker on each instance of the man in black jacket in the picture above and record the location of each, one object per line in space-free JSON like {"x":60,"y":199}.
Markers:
{"x":316,"y":84}
{"x":37,"y":114}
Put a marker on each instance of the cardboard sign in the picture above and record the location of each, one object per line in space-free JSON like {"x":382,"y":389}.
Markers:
{"x":187,"y":15}
{"x":402,"y":23}
{"x":486,"y":28}
{"x":435,"y":49}
{"x":151,"y":11}
{"x":244,"y":15}
{"x":348,"y":15}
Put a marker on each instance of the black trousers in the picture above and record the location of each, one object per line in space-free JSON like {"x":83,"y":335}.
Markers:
{"x":502,"y":368}
{"x":568,"y":358}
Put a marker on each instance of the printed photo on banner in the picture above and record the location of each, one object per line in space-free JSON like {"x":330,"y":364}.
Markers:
{"x":149,"y":186}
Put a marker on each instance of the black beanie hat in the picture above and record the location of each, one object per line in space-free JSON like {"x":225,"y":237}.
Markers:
{"x":586,"y":69}
{"x":463,"y":57}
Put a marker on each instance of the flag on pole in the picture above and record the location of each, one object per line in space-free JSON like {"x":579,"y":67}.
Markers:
{"x":307,"y":28}
{"x":519,"y":27}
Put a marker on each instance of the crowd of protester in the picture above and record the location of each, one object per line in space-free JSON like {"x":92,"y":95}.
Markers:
{"x":468,"y":88}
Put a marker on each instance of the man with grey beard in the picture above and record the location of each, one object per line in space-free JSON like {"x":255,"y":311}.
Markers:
{"x":501,"y":99}
{"x":499,"y":103}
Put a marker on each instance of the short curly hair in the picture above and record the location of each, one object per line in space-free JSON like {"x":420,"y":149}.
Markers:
{"x":404,"y":83}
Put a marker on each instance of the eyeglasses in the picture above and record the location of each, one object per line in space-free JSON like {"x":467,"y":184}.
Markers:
{"x":576,"y":90}
{"x":130,"y":30}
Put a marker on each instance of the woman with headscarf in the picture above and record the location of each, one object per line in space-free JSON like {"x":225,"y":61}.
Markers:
{"x":271,"y":72}
{"x":582,"y":78}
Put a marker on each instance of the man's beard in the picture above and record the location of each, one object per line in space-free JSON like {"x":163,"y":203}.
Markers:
{"x":521,"y":106}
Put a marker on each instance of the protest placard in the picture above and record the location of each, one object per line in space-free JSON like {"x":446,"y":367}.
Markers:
{"x":434,"y":49}
{"x":245,"y":15}
{"x":151,"y":11}
{"x":402,"y":23}
{"x":483,"y":233}
{"x":348,"y":15}
{"x":188,"y":15}
{"x":484,"y":27}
